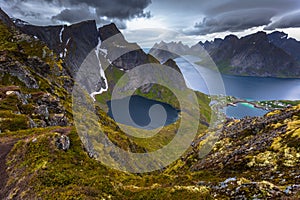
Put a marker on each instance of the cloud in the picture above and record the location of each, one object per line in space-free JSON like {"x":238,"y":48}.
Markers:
{"x":287,"y":21}
{"x":193,"y":17}
{"x":233,"y":21}
{"x":119,"y":9}
{"x":74,"y":15}
{"x":214,"y":16}
{"x":71,"y":11}
{"x":281,"y":6}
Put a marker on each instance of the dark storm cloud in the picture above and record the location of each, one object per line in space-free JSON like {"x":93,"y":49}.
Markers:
{"x":234,"y":21}
{"x":239,"y":15}
{"x":120,"y":9}
{"x":235,"y":5}
{"x":288,"y":21}
{"x":74,"y":15}
{"x":77,"y":10}
{"x":81,"y":14}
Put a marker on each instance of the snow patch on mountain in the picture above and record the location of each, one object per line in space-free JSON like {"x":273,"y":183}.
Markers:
{"x":61,"y":34}
{"x":102,"y":73}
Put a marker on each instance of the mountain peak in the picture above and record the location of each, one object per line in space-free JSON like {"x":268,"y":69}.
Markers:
{"x":259,"y":35}
{"x":278,"y":34}
{"x":84,"y":23}
{"x":108,"y":31}
{"x":231,"y":37}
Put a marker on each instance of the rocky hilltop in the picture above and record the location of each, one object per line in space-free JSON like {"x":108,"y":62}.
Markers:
{"x":42,"y":156}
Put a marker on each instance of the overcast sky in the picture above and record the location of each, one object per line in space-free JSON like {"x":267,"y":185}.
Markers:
{"x":149,"y":21}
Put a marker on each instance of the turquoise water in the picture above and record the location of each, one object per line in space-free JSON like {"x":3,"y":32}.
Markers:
{"x":243,"y":109}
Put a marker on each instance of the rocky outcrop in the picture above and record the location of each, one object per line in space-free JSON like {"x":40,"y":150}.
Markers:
{"x":63,"y":142}
{"x":263,"y":134}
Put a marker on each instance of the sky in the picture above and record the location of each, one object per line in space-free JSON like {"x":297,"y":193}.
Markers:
{"x":150,"y":21}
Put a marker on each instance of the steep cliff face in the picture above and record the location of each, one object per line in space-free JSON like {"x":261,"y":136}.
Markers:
{"x":124,"y":55}
{"x":72,"y":43}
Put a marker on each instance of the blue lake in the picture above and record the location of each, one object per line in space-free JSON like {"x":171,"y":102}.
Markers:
{"x":141,"y":112}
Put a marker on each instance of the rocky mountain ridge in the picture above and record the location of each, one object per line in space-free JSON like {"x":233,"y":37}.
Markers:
{"x":258,"y":54}
{"x":164,"y":51}
{"x":252,"y":55}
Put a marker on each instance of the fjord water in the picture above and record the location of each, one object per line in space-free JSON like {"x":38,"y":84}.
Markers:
{"x":249,"y":88}
{"x":142,"y":112}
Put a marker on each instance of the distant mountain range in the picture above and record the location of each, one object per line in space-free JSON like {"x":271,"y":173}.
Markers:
{"x":259,"y":54}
